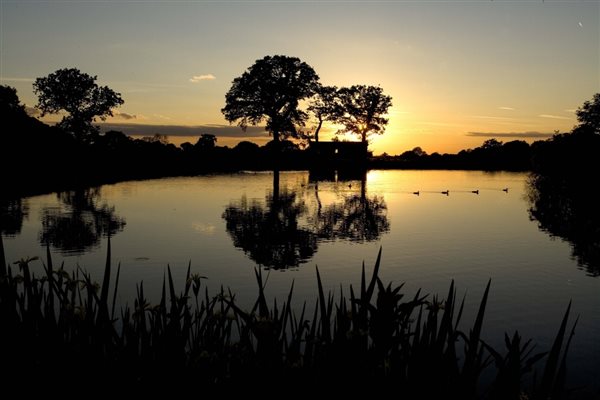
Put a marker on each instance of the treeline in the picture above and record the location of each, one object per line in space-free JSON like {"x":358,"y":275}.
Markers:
{"x":38,"y":158}
{"x":493,"y":155}
{"x":41,"y":158}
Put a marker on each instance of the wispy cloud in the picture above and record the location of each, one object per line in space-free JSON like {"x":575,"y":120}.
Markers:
{"x":571,"y":110}
{"x":506,"y":108}
{"x":200,"y":78}
{"x":32,"y":111}
{"x":553,"y":116}
{"x":124,"y":116}
{"x":15,"y":79}
{"x":513,"y":135}
{"x":182,"y":130}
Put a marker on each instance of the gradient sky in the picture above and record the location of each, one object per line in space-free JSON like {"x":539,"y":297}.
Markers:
{"x":459,"y":72}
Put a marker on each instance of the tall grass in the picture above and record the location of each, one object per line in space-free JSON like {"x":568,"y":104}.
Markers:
{"x":61,"y":329}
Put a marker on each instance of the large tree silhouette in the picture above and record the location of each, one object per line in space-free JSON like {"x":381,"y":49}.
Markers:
{"x":360,"y":110}
{"x":76,"y":93}
{"x":270,"y":90}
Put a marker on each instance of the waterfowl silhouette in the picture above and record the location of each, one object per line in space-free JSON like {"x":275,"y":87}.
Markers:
{"x":475,"y":191}
{"x":416,"y":193}
{"x":505,"y":190}
{"x":446,"y":192}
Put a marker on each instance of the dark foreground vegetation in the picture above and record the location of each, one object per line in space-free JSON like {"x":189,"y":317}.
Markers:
{"x":64,"y":332}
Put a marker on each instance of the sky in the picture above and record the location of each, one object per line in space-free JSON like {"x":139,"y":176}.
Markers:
{"x":458,"y":72}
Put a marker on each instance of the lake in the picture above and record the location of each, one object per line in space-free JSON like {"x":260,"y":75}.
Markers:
{"x":227,"y":225}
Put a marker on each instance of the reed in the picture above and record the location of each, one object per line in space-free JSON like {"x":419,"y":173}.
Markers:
{"x":64,"y":326}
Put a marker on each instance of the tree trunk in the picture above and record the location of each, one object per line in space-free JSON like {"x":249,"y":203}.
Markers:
{"x":2,"y":259}
{"x":275,"y":185}
{"x":363,"y":189}
{"x":317,"y":130}
{"x":276,"y":151}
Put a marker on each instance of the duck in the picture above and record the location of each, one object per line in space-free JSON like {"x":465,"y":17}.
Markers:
{"x":505,"y":190}
{"x":416,"y":193}
{"x":446,"y":192}
{"x":475,"y":191}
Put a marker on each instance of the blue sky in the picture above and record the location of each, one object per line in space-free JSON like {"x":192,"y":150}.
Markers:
{"x":456,"y":70}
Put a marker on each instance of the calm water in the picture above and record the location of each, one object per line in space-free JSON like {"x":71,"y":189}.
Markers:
{"x":228,"y":224}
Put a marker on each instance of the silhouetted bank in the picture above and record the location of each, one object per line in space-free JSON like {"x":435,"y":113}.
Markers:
{"x":38,"y":158}
{"x":492,"y":155}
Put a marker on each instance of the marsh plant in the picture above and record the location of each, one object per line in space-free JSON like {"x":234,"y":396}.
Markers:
{"x":62,"y":330}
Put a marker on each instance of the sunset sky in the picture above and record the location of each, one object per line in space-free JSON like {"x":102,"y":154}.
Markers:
{"x":459,"y":72}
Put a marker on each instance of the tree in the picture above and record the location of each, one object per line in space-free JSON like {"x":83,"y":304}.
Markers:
{"x":206,"y":142}
{"x":9,"y":102}
{"x":419,"y":152}
{"x":588,"y":115}
{"x":270,"y":90}
{"x":360,"y":109}
{"x":491,"y":144}
{"x":323,"y":106}
{"x":77,"y":94}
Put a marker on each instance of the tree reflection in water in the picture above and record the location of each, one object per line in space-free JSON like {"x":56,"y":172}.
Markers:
{"x":568,"y":208}
{"x":286,"y":230}
{"x":356,"y":218}
{"x":12,"y":214}
{"x":80,"y":222}
{"x":271,"y":235}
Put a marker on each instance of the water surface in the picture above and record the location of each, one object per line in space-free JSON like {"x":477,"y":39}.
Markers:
{"x":226,"y":225}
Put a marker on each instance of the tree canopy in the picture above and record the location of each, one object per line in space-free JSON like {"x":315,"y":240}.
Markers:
{"x":588,"y":114}
{"x":9,"y":102}
{"x":270,"y":90}
{"x":360,"y":110}
{"x":77,"y":94}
